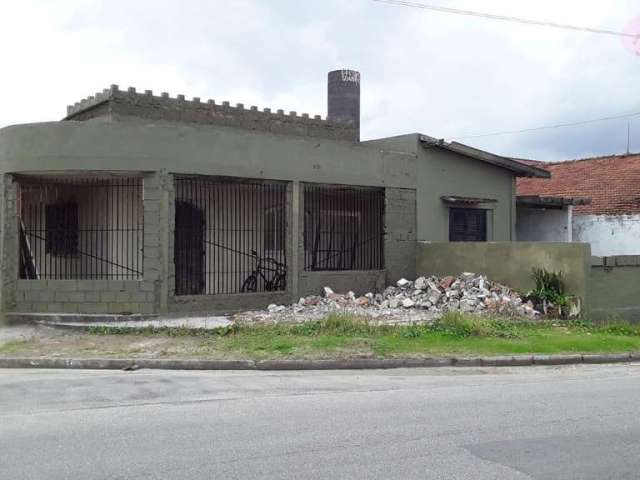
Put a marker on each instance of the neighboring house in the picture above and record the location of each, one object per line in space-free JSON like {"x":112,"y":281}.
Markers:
{"x":610,"y":222}
{"x":546,"y":219}
{"x":136,"y":203}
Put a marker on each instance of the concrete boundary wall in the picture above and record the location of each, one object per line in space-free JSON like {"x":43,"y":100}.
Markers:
{"x":614,"y":288}
{"x":509,"y":263}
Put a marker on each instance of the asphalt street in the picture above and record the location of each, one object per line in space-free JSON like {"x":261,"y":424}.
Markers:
{"x":575,"y":422}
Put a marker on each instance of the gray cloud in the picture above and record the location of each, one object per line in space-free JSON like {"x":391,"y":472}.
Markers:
{"x":438,"y":74}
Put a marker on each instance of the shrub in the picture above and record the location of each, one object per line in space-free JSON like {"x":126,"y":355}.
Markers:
{"x":549,"y":290}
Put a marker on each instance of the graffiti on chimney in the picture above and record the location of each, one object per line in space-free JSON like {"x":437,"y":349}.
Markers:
{"x":350,"y":76}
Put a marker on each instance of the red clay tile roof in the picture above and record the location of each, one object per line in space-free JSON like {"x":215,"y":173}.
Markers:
{"x":612,"y":183}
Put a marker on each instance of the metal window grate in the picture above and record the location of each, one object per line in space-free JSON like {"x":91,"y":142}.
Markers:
{"x":467,"y":225}
{"x":229,"y":236}
{"x":80,"y":228}
{"x":343,"y":228}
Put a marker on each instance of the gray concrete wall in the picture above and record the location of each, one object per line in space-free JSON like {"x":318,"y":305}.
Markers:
{"x":509,"y":263}
{"x":614,"y":288}
{"x":543,"y":225}
{"x":200,"y":150}
{"x":444,"y":173}
{"x":360,"y":282}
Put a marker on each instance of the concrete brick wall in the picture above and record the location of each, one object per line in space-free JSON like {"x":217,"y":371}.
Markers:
{"x":9,"y":234}
{"x":119,"y":105}
{"x":85,"y":296}
{"x":400,"y":234}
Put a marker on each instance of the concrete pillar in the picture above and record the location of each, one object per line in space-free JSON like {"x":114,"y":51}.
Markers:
{"x":295,"y":216}
{"x":9,"y":244}
{"x":156,"y":236}
{"x":400,"y":234}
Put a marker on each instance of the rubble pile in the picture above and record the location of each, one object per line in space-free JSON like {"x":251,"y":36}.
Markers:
{"x":419,"y":301}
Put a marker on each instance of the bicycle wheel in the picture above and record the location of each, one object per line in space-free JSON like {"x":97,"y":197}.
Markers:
{"x":250,"y":284}
{"x":279,"y":283}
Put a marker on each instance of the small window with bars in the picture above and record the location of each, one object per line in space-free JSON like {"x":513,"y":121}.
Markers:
{"x":467,"y":225}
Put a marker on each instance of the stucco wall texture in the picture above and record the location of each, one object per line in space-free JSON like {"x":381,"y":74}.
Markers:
{"x":545,"y":225}
{"x":609,"y":235}
{"x":614,"y":288}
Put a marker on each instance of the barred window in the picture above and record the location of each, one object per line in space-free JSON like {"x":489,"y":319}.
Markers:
{"x":343,"y":228}
{"x":467,"y":225}
{"x":80,"y":227}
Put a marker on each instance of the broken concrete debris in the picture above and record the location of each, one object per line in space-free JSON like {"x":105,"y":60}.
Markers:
{"x":419,"y":301}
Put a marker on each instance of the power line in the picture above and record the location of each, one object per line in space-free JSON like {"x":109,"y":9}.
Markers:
{"x":548,"y":127}
{"x":507,"y":18}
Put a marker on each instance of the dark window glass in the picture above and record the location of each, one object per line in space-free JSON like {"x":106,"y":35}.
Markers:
{"x":467,"y":225}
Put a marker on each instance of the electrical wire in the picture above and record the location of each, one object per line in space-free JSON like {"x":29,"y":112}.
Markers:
{"x":547,"y":127}
{"x":507,"y":18}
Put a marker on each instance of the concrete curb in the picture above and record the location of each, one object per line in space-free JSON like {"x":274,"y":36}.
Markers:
{"x":123,"y":363}
{"x":280,"y":365}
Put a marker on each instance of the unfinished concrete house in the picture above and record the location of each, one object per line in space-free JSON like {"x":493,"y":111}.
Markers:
{"x":144,"y":204}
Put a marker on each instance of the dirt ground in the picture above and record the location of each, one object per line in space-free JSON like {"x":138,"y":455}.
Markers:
{"x":41,"y":341}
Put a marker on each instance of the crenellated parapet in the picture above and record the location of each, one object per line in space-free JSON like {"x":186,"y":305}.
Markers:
{"x":121,"y":105}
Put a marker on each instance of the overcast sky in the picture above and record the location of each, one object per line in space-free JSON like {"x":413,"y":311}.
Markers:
{"x":433,"y":73}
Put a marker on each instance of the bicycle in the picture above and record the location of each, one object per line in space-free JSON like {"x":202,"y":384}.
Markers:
{"x":266,"y":264}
